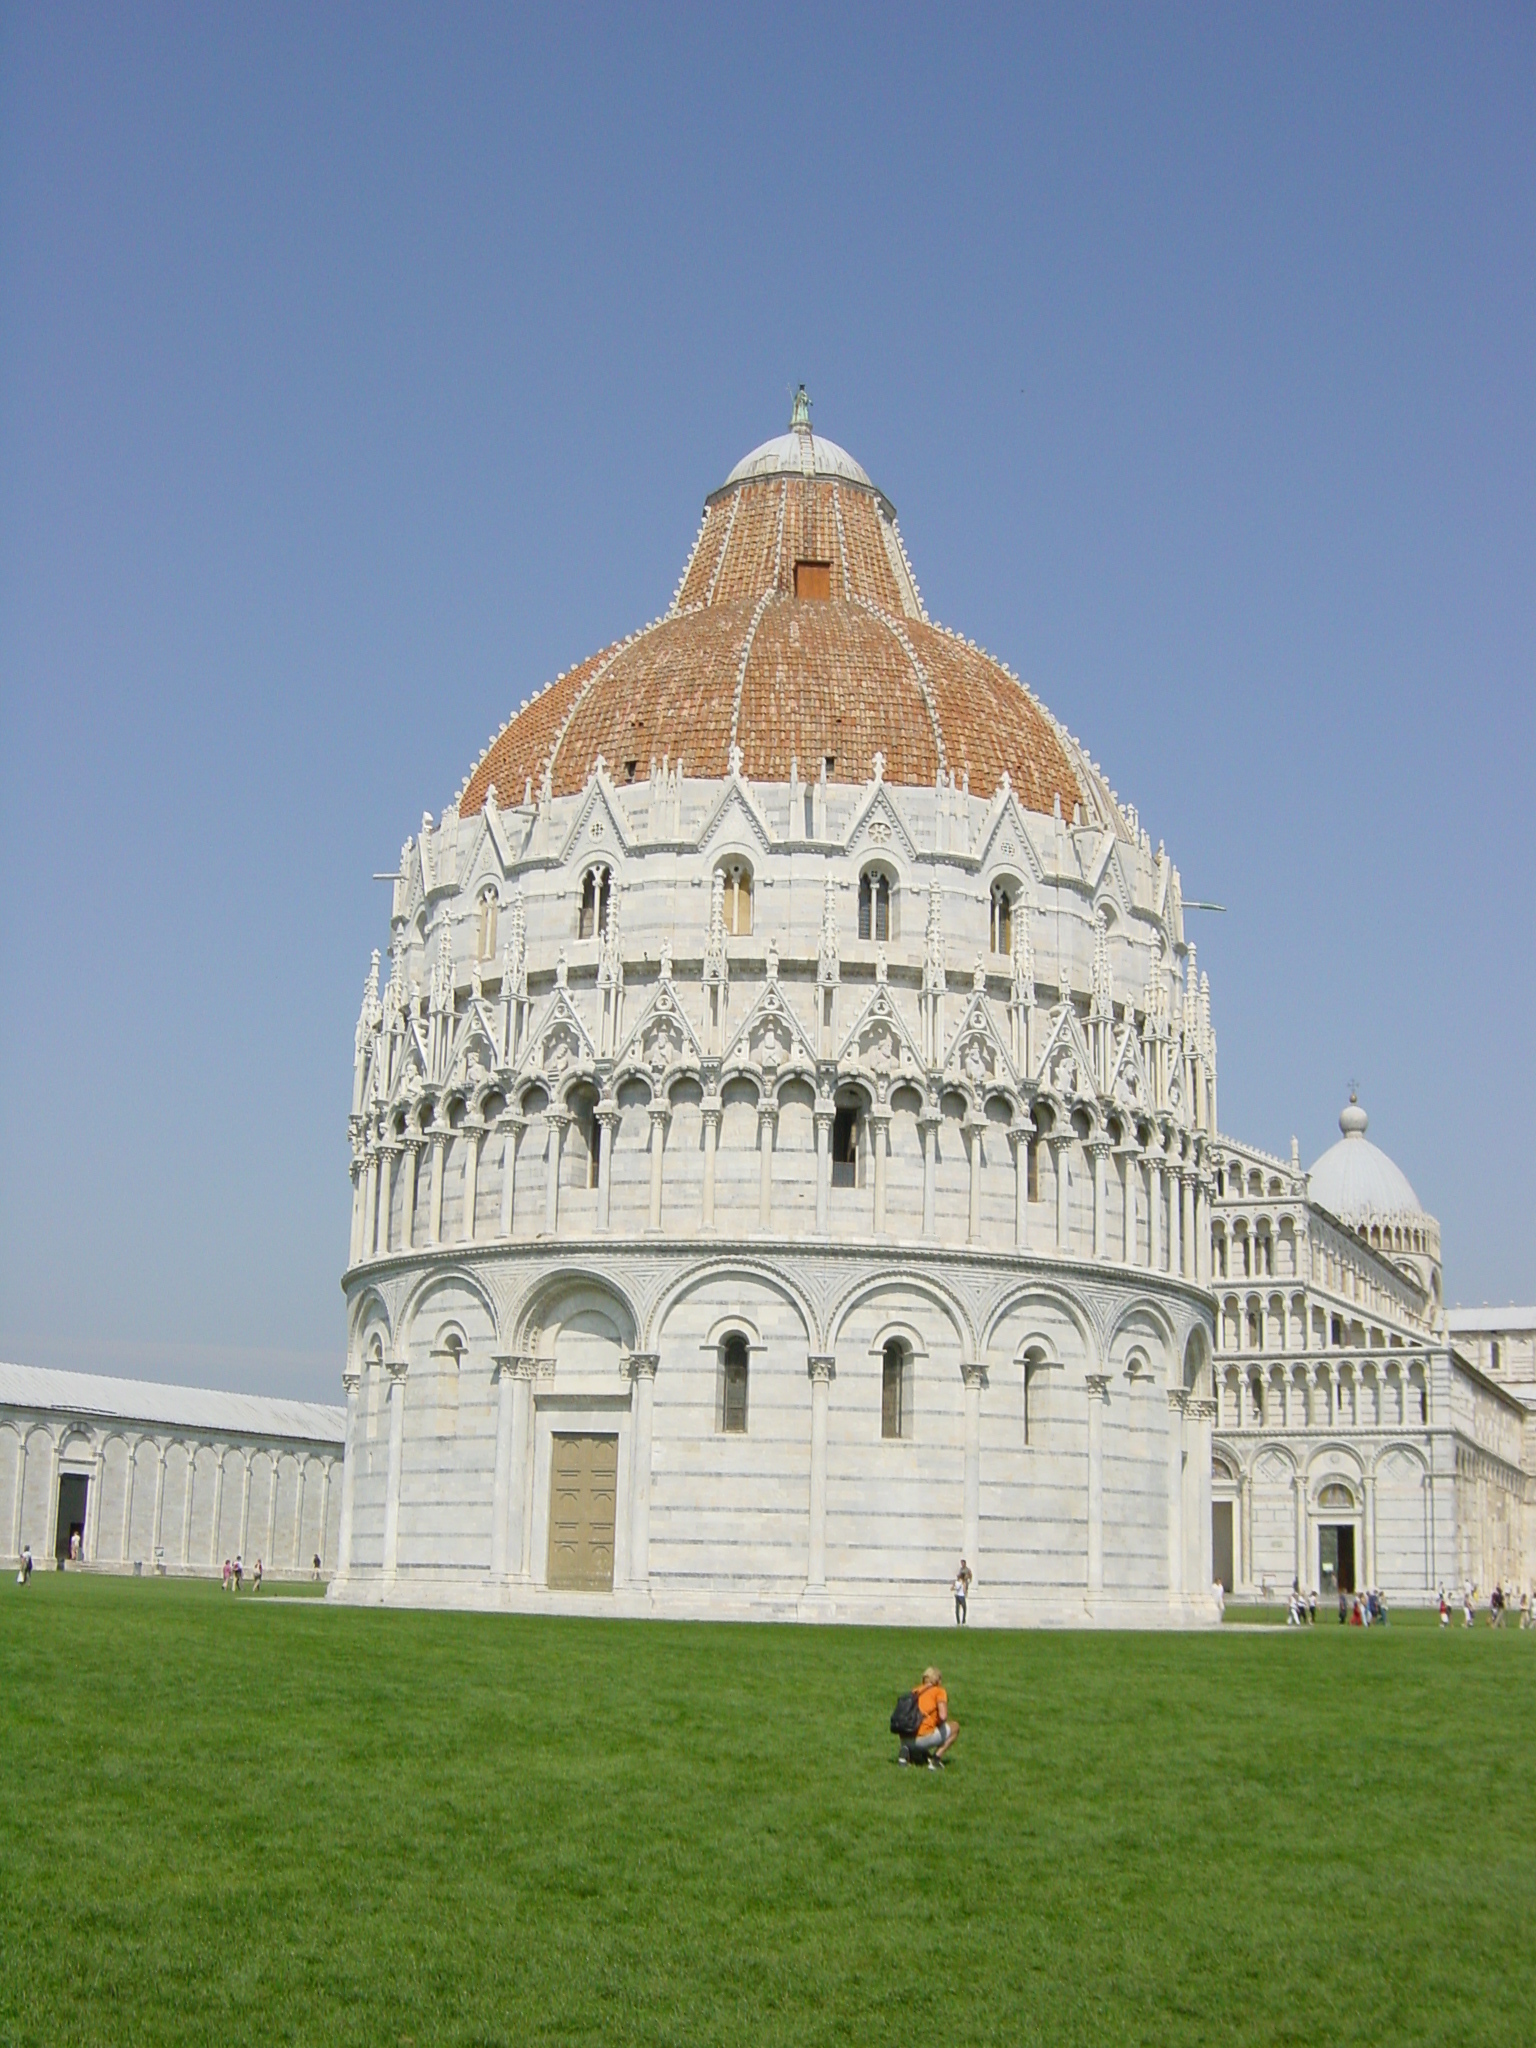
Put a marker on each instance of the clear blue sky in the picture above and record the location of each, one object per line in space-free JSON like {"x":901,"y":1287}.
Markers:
{"x":361,"y":370}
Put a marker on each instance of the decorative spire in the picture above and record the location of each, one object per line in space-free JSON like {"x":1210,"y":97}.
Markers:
{"x":933,"y":941}
{"x":714,"y":950}
{"x":826,"y":952}
{"x":368,"y":1015}
{"x":1023,"y":955}
{"x":1103,"y":990}
{"x":610,"y":962}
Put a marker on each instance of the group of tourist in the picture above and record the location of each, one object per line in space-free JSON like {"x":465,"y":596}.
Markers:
{"x":234,"y":1575}
{"x":1367,"y":1608}
{"x":1498,"y":1607}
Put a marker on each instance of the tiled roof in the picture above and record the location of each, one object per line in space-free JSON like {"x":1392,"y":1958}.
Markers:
{"x":792,"y":678}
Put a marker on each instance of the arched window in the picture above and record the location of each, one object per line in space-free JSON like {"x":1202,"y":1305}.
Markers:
{"x":592,"y":920}
{"x":1336,"y":1497}
{"x":1001,"y":924}
{"x":874,"y":906}
{"x":738,"y":899}
{"x":845,"y":1144}
{"x":896,"y":1390}
{"x":589,"y":1135}
{"x":735,"y":1359}
{"x":485,"y":930}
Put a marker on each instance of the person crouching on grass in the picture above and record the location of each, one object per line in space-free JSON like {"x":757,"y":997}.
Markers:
{"x":936,"y":1733}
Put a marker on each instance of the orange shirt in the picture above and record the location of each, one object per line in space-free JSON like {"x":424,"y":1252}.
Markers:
{"x":933,"y":1705}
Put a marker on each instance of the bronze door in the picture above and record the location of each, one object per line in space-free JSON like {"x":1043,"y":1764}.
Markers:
{"x":583,"y":1489}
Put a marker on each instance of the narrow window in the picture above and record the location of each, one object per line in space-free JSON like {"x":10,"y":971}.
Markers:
{"x":592,"y":921}
{"x":1032,"y":1169}
{"x":1002,"y":919}
{"x":738,"y":900}
{"x":734,"y":1359}
{"x":813,"y":579}
{"x":874,"y":907}
{"x":866,"y":907}
{"x":845,"y":1147}
{"x":895,"y":1390}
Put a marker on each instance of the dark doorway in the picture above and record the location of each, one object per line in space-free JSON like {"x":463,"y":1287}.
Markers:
{"x":1336,"y":1557}
{"x":1221,"y":1544}
{"x":73,"y":1488}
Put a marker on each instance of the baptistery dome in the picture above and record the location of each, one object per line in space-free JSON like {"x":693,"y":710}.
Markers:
{"x":780,"y":1143}
{"x":797,"y":634}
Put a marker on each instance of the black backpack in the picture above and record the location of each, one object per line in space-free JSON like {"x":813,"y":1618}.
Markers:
{"x":906,"y":1716}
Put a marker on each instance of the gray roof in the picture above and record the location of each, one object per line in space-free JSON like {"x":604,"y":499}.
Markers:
{"x":162,"y":1406}
{"x":1471,"y":1322}
{"x":1355,"y":1178}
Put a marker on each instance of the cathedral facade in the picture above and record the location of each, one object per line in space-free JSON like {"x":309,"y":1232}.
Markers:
{"x":783,"y":1134}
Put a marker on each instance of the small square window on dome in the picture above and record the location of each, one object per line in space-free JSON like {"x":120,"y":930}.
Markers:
{"x":813,"y":579}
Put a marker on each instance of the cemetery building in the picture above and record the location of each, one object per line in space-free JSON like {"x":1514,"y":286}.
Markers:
{"x":136,"y":1475}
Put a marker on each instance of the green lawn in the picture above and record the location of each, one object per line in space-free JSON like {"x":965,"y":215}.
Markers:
{"x":233,"y":1820}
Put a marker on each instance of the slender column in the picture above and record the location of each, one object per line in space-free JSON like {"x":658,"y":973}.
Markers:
{"x":1202,"y":1214}
{"x":514,"y":1126}
{"x":559,"y":1121}
{"x":1060,"y":1148}
{"x":157,"y":1528}
{"x":186,"y":1511}
{"x":392,"y":1482}
{"x":608,"y":1127}
{"x":970,"y":1541}
{"x":523,"y":1370}
{"x":1154,"y":1216}
{"x":928,"y":1126}
{"x":1178,"y":1404}
{"x":128,"y":1478}
{"x":821,"y":1370}
{"x":1020,"y":1137}
{"x":658,"y":1148}
{"x":642,"y":1370}
{"x":1175,"y":1253}
{"x":880,"y":1141}
{"x":435,"y":1197}
{"x":1368,"y":1529}
{"x":351,"y":1380}
{"x":711,"y":1118}
{"x":244,"y":1543}
{"x":767,"y":1127}
{"x":472,"y":1142}
{"x":502,"y":1484}
{"x":1204,"y":1412}
{"x":1100,"y":1197}
{"x":21,"y":1483}
{"x":325,"y":1505}
{"x":296,"y":1546}
{"x":370,"y":1202}
{"x":1188,"y":1253}
{"x":90,"y":1542}
{"x":1303,"y":1574}
{"x":1098,"y":1397}
{"x":387,"y":1159}
{"x":824,"y":1115}
{"x":218,"y":1507}
{"x":357,"y":1212}
{"x":408,"y":1201}
{"x":271,"y":1533}
{"x":1131,"y":1174}
{"x":974,"y":1127}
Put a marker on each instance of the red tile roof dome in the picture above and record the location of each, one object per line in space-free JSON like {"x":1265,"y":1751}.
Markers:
{"x":798,"y":634}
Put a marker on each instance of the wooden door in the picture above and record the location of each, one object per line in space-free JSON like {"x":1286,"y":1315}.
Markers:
{"x":583,"y":1490}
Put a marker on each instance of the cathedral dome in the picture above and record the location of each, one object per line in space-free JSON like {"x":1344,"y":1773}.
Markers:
{"x":798,"y":635}
{"x":1355,"y":1178}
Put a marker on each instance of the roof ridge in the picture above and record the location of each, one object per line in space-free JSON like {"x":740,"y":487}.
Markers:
{"x":746,"y":654}
{"x":725,"y":546}
{"x":899,"y":635}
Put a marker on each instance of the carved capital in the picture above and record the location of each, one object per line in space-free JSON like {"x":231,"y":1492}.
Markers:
{"x":352,"y":1379}
{"x":822,"y":1368}
{"x":641,"y":1365}
{"x":1097,"y":1384}
{"x":1178,"y":1400}
{"x":975,"y":1375}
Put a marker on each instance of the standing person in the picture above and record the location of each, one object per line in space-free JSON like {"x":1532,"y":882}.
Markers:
{"x":1445,"y":1610}
{"x":226,"y":1575}
{"x":935,"y":1731}
{"x":1466,"y":1606}
{"x":1343,"y":1605}
{"x":962,"y":1592}
{"x":1525,"y":1608}
{"x":258,"y":1575}
{"x":317,"y":1567}
{"x":24,"y":1576}
{"x":1496,"y":1607}
{"x":239,"y":1573}
{"x":1312,"y":1608}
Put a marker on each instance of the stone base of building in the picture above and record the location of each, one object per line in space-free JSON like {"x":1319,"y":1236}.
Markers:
{"x":849,"y":1606}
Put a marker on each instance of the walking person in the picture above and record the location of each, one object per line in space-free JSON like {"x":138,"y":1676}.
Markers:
{"x":1525,"y":1608}
{"x":239,"y":1574}
{"x":257,"y":1582}
{"x":962,"y":1592}
{"x":1445,"y":1610}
